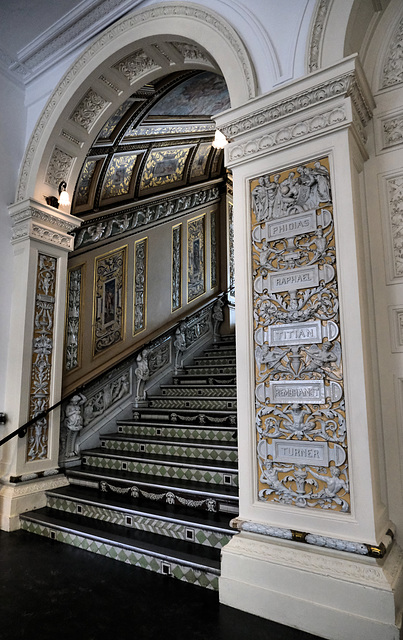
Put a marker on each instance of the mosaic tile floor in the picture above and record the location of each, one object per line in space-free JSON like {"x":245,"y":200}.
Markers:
{"x":49,"y":590}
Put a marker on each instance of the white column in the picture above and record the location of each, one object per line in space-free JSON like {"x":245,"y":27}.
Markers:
{"x":29,"y":465}
{"x":316,"y":547}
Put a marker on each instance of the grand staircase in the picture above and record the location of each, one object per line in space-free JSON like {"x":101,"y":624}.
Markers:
{"x":160,"y":491}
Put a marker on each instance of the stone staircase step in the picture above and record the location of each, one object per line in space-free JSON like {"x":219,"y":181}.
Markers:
{"x":200,"y":379}
{"x":178,"y":491}
{"x":190,"y":416}
{"x":214,"y":361}
{"x":211,"y":471}
{"x":216,"y":433}
{"x":182,"y":560}
{"x":223,"y":391}
{"x":210,"y":370}
{"x":203,"y":449}
{"x":204,"y":528}
{"x":198,"y":403}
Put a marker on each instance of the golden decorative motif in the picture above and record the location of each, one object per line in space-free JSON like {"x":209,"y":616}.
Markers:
{"x":109,"y":299}
{"x":164,"y":166}
{"x":118,"y":176}
{"x":200,"y":160}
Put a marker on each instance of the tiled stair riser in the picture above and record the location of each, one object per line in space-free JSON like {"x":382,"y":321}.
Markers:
{"x":181,"y":572}
{"x":200,"y":404}
{"x":210,"y":371}
{"x":211,"y":476}
{"x":214,"y":362}
{"x":186,"y":416}
{"x":203,"y":453}
{"x":194,"y":433}
{"x":184,"y":532}
{"x":209,"y":391}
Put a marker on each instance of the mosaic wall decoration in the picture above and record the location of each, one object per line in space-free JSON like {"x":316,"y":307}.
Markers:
{"x":176,"y":267}
{"x":196,"y":257}
{"x":213,"y":249}
{"x":164,"y":167}
{"x":37,"y":445}
{"x":119,"y":175}
{"x":199,"y":163}
{"x":72,"y":338}
{"x":84,"y":183}
{"x":109,"y":299}
{"x":140,"y":285}
{"x":300,"y":409}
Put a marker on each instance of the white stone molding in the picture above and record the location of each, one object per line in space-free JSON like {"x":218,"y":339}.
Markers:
{"x":389,"y":130}
{"x":204,"y":29}
{"x":396,"y":328}
{"x":59,"y":167}
{"x":316,"y":38}
{"x":33,"y":220}
{"x":319,"y":103}
{"x":391,"y":191}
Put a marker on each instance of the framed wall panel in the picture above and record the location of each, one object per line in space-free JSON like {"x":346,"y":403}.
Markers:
{"x":140,"y":286}
{"x":109,"y":300}
{"x":196,"y":277}
{"x":176,"y":286}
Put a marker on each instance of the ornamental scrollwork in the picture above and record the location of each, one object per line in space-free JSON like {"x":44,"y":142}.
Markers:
{"x":72,"y":346}
{"x":300,"y":409}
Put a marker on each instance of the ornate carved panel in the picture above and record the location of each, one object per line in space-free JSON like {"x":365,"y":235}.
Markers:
{"x":392,"y":73}
{"x":164,"y":167}
{"x":176,"y":267}
{"x":109,"y":300}
{"x":231,"y":257}
{"x":59,"y":167}
{"x":136,"y":65}
{"x":300,"y":411}
{"x":196,"y":257}
{"x":394,"y":187}
{"x":119,"y":175}
{"x":140,"y":286}
{"x":37,"y":446}
{"x":89,"y":110}
{"x":72,"y":354}
{"x":213,"y":249}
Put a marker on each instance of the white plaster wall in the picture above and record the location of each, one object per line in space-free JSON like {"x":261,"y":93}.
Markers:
{"x":12,"y":131}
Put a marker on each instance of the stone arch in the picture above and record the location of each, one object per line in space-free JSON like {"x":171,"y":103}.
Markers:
{"x":135,"y":50}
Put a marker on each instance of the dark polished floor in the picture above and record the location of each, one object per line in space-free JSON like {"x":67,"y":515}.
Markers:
{"x":50,"y":591}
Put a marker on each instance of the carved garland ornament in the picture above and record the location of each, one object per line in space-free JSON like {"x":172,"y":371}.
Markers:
{"x":300,"y":411}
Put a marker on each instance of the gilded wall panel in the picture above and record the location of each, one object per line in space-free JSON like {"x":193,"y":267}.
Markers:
{"x":119,"y":175}
{"x":109,"y":299}
{"x":41,"y":370}
{"x":196,"y":279}
{"x":164,"y":167}
{"x":300,"y":410}
{"x":199,"y":163}
{"x":176,"y":267}
{"x":140,"y":286}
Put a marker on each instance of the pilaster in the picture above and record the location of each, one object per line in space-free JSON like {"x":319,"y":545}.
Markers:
{"x":41,"y":243}
{"x":313,"y":522}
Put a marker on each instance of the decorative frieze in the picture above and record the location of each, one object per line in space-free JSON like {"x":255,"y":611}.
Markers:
{"x":42,"y":350}
{"x":136,"y":65}
{"x":142,"y":215}
{"x":191,"y":53}
{"x":176,"y":302}
{"x":300,"y":412}
{"x":317,"y":33}
{"x":109,"y":300}
{"x":140,"y":286}
{"x":395,"y":212}
{"x":89,"y":110}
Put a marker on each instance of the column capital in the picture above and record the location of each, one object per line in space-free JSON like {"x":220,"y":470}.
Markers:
{"x":35,"y":221}
{"x":323,"y":102}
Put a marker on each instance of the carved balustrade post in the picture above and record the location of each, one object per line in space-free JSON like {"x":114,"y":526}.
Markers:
{"x":29,"y":465}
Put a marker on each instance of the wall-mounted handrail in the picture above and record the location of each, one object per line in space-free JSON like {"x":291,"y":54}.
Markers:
{"x":21,"y":431}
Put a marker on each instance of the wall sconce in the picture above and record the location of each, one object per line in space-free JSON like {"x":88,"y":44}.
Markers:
{"x":63,"y":200}
{"x":220,"y":140}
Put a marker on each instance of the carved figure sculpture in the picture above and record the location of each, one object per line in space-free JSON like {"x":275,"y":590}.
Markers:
{"x":142,"y":373}
{"x":74,"y":423}
{"x":334,"y":484}
{"x":217,"y":317}
{"x":179,"y":345}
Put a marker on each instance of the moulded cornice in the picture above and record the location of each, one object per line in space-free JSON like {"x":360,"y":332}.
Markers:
{"x":301,"y":109}
{"x":32,"y":220}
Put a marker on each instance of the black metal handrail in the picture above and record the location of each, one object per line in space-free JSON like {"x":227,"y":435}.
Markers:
{"x":21,"y":431}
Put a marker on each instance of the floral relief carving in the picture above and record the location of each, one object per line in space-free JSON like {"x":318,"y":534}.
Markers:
{"x":136,"y":65}
{"x":89,"y":110}
{"x":191,"y":52}
{"x":392,"y":130}
{"x":37,"y":445}
{"x":140,"y":285}
{"x":395,"y":197}
{"x":392,"y":73}
{"x":73,"y":318}
{"x":59,"y":167}
{"x":176,"y":267}
{"x":316,"y":35}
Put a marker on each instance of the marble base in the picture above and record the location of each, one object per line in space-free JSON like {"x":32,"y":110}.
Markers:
{"x":334,"y":595}
{"x":25,"y":496}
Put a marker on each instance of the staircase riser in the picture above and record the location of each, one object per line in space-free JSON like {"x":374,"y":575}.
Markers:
{"x":198,"y":404}
{"x":165,"y":471}
{"x":211,"y":392}
{"x":196,"y":381}
{"x":210,"y":371}
{"x":191,"y":416}
{"x":193,"y":433}
{"x":215,"y":362}
{"x":153,"y":525}
{"x":203,"y":453}
{"x":151,"y":563}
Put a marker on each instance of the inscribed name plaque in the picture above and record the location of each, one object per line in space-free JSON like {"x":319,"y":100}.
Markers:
{"x":300,"y":414}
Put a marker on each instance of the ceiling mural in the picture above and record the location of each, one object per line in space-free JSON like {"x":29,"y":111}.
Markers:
{"x":159,"y":139}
